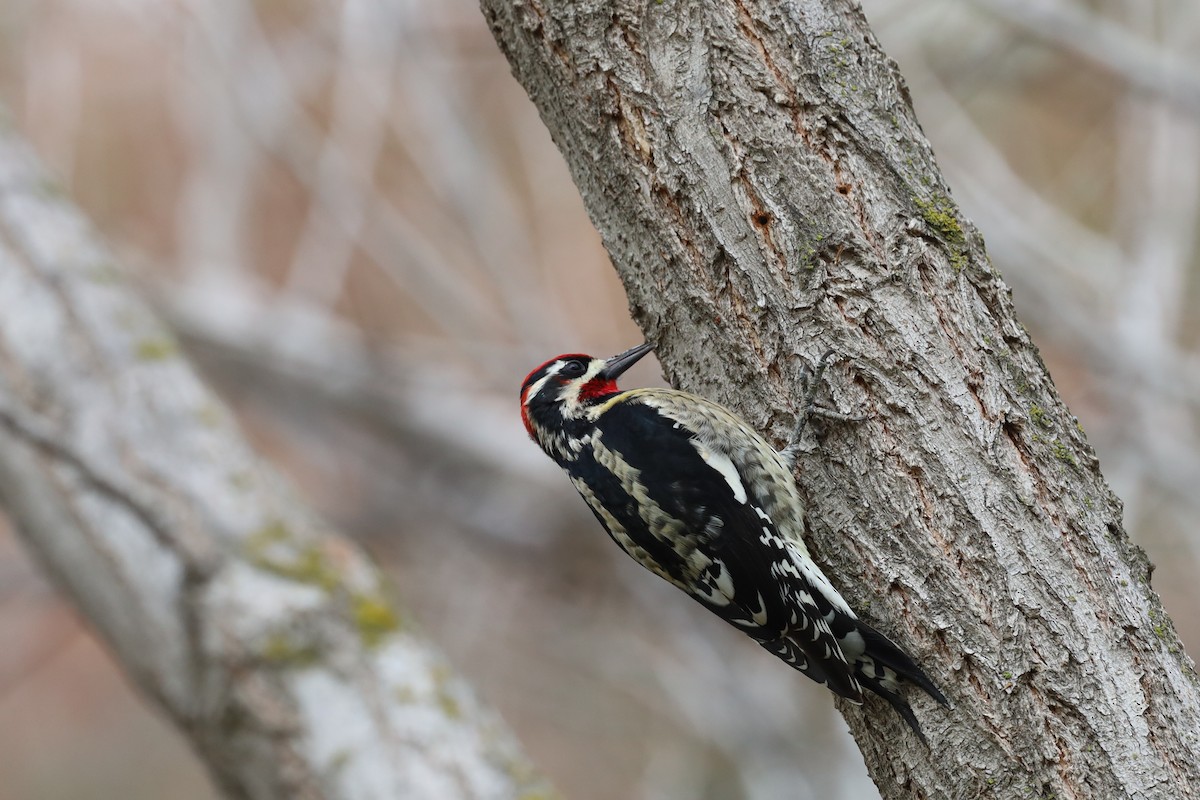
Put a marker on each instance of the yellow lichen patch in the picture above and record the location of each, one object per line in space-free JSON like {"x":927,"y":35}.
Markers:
{"x":209,"y":415}
{"x":273,"y":549}
{"x":938,"y":214}
{"x":1063,"y":453}
{"x":1038,"y":415}
{"x":156,"y":348}
{"x":281,"y":650}
{"x":449,"y":705}
{"x":271,"y":533}
{"x":441,"y":687}
{"x":375,"y":619}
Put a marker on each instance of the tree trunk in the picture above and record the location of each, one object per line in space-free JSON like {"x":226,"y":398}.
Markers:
{"x":765,"y":191}
{"x":270,"y":641}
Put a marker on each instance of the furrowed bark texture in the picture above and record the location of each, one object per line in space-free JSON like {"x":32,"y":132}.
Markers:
{"x":270,"y":641}
{"x":758,"y":176}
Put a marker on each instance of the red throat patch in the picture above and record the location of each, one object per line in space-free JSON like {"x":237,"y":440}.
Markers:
{"x":597,"y":387}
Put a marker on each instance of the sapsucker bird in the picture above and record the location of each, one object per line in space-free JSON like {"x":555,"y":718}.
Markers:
{"x":700,"y":499}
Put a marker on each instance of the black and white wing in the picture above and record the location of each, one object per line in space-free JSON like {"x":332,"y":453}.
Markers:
{"x":681,"y":507}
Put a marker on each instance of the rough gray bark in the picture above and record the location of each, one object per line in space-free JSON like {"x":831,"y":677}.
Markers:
{"x":758,"y":176}
{"x":270,"y":641}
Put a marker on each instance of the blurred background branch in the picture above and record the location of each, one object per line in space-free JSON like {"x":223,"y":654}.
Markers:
{"x":359,"y":227}
{"x":272,"y":643}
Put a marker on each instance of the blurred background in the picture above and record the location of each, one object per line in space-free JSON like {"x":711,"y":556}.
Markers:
{"x":359,"y":227}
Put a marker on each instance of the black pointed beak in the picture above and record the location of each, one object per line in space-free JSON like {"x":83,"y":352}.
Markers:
{"x":619,"y":363}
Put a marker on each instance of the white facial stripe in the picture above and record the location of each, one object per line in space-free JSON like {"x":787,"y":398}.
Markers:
{"x":537,"y":385}
{"x":569,"y":396}
{"x":571,"y":390}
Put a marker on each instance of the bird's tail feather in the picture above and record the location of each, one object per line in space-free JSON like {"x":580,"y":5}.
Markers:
{"x":882,"y":667}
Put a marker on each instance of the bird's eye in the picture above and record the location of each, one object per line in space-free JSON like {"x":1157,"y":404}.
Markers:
{"x":573,"y":369}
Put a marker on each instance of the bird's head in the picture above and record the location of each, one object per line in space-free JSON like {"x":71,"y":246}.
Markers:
{"x":559,"y":391}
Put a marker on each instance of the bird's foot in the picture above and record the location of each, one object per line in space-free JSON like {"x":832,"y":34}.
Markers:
{"x":810,"y":382}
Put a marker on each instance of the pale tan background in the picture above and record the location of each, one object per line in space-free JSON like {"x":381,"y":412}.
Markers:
{"x":361,"y":230}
